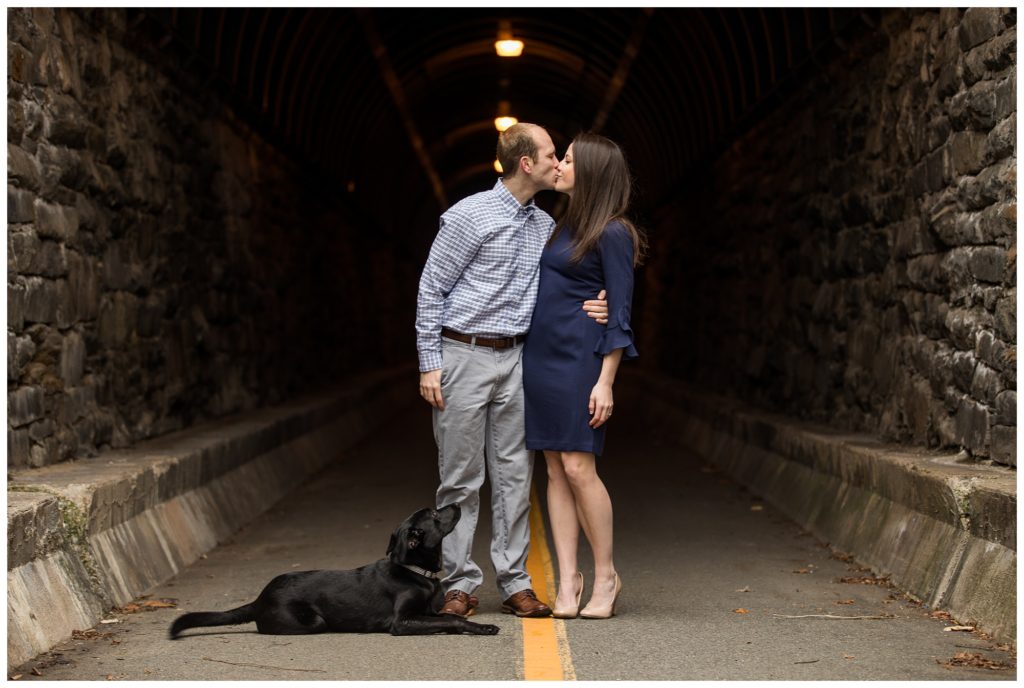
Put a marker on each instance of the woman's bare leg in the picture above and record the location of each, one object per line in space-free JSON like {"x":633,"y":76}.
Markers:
{"x":595,"y":507}
{"x":565,"y":529}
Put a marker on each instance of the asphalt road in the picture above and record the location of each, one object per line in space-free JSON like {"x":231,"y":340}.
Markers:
{"x":711,"y":576}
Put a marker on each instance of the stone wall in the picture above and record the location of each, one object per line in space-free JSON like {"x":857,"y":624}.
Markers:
{"x":851,"y":259}
{"x":165,"y":264}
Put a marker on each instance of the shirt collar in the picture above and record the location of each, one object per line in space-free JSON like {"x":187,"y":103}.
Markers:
{"x":509,"y":202}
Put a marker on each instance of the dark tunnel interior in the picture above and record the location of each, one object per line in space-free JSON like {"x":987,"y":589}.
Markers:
{"x":828,"y":195}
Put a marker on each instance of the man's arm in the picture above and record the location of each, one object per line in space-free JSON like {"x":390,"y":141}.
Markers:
{"x":597,"y":308}
{"x":453,"y":249}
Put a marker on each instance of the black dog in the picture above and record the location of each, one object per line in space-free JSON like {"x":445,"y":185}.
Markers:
{"x":399,"y":594}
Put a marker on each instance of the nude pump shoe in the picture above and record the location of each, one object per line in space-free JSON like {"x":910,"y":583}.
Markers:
{"x":570,"y":612}
{"x":606,"y":612}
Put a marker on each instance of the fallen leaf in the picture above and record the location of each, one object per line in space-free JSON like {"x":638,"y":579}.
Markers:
{"x":973,"y":659}
{"x":756,"y":507}
{"x":741,"y":610}
{"x":147,"y":671}
{"x":110,"y":677}
{"x":159,"y":604}
{"x":939,"y":614}
{"x":16,"y":677}
{"x":745,"y":588}
{"x":849,"y":657}
{"x":802,"y":571}
{"x":864,"y":580}
{"x":844,"y":601}
{"x":110,"y":621}
{"x":36,"y":672}
{"x":958,"y":628}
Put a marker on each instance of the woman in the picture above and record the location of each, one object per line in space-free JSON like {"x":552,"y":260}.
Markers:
{"x":570,"y":361}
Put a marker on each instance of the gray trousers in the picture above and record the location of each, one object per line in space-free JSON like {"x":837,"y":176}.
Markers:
{"x":482,"y":427}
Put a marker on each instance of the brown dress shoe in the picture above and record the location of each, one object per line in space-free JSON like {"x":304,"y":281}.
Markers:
{"x":459,"y":603}
{"x":525,"y":603}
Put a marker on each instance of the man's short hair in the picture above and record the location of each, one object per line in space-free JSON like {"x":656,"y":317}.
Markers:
{"x":513,"y":144}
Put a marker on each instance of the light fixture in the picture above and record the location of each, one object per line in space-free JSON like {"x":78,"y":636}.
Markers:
{"x":503,"y":123}
{"x":506,"y":46}
{"x":497,"y":167}
{"x":504,"y":120}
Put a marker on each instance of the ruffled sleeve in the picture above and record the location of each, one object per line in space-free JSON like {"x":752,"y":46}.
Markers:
{"x":617,"y":263}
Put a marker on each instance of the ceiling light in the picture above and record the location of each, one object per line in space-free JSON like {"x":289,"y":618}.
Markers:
{"x":506,"y":45}
{"x":497,"y":167}
{"x":503,"y":123}
{"x":509,"y":47}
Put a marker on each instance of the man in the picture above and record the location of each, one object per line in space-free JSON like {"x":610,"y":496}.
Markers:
{"x":476,"y":298}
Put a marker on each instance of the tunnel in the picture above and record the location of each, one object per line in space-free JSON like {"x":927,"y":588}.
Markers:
{"x":218,"y":218}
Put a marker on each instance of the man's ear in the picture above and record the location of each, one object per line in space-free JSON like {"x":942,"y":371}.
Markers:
{"x":526,"y":164}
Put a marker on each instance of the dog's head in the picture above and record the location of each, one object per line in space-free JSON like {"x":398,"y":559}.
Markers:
{"x":417,"y":540}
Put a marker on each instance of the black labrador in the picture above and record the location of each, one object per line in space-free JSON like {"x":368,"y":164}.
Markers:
{"x":399,"y":594}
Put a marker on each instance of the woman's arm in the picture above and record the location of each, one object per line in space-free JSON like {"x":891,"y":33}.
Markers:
{"x":601,"y":400}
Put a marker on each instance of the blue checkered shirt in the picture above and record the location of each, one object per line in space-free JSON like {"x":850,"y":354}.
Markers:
{"x":483,"y":270}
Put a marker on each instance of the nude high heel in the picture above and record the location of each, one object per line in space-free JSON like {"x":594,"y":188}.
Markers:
{"x":603,"y":612}
{"x":570,"y":612}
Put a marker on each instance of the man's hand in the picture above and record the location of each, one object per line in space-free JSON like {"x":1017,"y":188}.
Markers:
{"x":430,"y":388}
{"x":597,"y":308}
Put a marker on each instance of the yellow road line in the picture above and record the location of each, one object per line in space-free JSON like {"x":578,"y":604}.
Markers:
{"x":546,"y":655}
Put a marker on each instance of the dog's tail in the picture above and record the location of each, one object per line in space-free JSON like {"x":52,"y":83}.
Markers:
{"x":238,"y":615}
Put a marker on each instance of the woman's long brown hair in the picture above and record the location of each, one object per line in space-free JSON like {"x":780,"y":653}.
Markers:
{"x":600,"y":194}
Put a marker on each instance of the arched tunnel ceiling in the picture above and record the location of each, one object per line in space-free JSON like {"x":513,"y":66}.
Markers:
{"x":403,"y":100}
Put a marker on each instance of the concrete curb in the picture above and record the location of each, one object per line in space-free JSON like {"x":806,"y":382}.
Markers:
{"x":942,"y":531}
{"x":90,"y":535}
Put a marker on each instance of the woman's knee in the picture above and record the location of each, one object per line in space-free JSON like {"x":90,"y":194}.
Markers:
{"x":556,"y":472}
{"x":579,"y":467}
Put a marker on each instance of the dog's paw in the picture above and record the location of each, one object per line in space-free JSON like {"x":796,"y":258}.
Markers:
{"x":487,"y":629}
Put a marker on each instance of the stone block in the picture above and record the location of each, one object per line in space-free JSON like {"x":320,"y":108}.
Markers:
{"x":72,"y":359}
{"x":45,"y":453}
{"x":1006,"y":407}
{"x":42,"y":298}
{"x":20,"y":205}
{"x":24,"y":405}
{"x":20,"y":350}
{"x":964,"y":153}
{"x":993,"y":184}
{"x":64,"y":122}
{"x":986,"y":385}
{"x":1001,"y":140}
{"x":1006,"y":316}
{"x":987,"y":263}
{"x":41,"y":429}
{"x":928,"y":273}
{"x":19,"y":63}
{"x":34,"y":257}
{"x":912,"y":238}
{"x":15,"y":120}
{"x":84,"y":284}
{"x":964,"y":325}
{"x":972,"y":421}
{"x":1005,"y":99}
{"x":23,"y":168}
{"x":18,"y":447}
{"x":16,"y":305}
{"x":118,"y":317}
{"x":1004,"y":445}
{"x":978,"y":25}
{"x":964,"y":365}
{"x":55,"y":221}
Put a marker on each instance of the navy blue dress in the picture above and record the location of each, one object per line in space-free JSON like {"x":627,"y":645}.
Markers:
{"x":565,"y":347}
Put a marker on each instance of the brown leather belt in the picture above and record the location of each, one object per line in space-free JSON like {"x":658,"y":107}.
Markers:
{"x":503,"y":343}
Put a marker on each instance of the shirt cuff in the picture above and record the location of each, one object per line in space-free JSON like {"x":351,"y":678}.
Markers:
{"x":430,"y":360}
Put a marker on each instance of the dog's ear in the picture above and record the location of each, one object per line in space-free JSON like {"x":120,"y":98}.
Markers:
{"x":391,"y":544}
